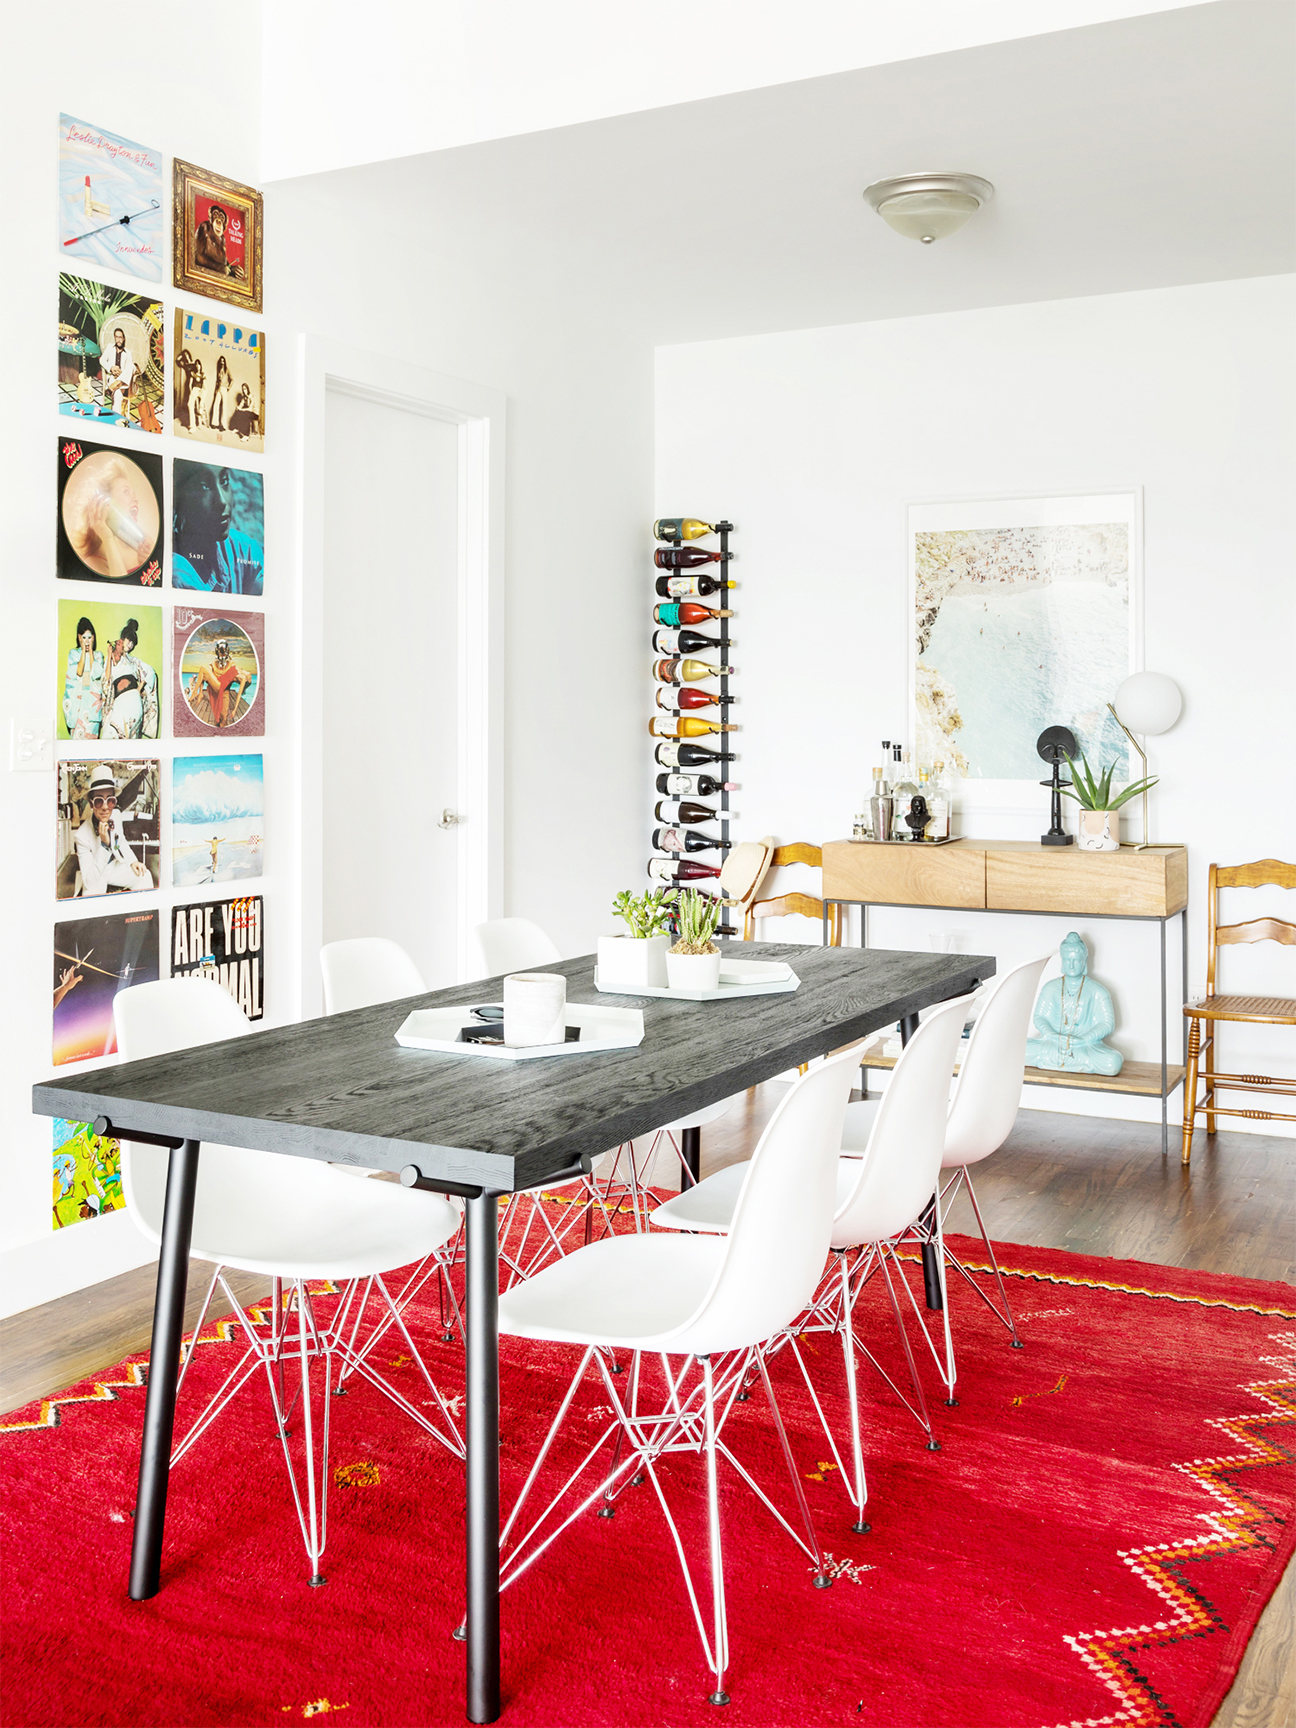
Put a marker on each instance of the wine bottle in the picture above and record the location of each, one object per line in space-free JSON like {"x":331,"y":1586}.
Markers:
{"x":685,"y":726}
{"x":687,"y":557}
{"x":691,"y":587}
{"x":680,"y":528}
{"x":687,"y":612}
{"x":692,"y":785}
{"x":680,"y":870}
{"x":690,"y":756}
{"x":686,"y":813}
{"x":686,"y":840}
{"x":679,"y":699}
{"x":689,"y":671}
{"x":676,"y":642}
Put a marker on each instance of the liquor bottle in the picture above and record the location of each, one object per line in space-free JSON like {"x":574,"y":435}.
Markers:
{"x":689,"y":671}
{"x":940,"y":803}
{"x":686,"y":840}
{"x":690,"y":587}
{"x":680,"y":870}
{"x":680,"y":528}
{"x":677,"y":700}
{"x":881,"y":804}
{"x":685,"y":726}
{"x":687,"y":557}
{"x":674,"y":642}
{"x":687,"y":612}
{"x":904,"y":792}
{"x":686,"y":813}
{"x":689,"y":756}
{"x":692,"y":785}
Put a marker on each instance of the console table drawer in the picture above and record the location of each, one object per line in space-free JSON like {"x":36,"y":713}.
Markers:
{"x":1031,"y":878}
{"x":905,"y":875}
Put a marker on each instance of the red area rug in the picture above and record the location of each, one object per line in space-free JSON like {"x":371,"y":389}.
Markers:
{"x":1111,"y":1509}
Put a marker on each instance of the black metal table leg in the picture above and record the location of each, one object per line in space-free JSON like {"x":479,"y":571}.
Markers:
{"x":691,"y":1151}
{"x":483,"y":1701}
{"x":164,"y":1368}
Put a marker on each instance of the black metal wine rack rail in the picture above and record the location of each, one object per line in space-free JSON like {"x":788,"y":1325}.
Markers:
{"x":723,"y":530}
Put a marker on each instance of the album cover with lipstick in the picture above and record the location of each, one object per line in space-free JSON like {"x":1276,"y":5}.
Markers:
{"x":219,"y":661}
{"x":109,"y":514}
{"x":94,"y":958}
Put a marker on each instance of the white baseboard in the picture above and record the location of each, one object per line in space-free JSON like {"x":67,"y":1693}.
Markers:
{"x":32,"y":1273}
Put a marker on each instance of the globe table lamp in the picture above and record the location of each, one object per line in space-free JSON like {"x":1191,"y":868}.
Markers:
{"x":1150,"y":703}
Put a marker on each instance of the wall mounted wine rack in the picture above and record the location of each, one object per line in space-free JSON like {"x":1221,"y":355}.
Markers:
{"x":720,"y":770}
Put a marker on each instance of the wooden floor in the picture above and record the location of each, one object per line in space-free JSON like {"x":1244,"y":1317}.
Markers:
{"x":1059,"y":1181}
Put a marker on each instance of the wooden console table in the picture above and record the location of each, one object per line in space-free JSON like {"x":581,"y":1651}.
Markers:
{"x":1023,"y":877}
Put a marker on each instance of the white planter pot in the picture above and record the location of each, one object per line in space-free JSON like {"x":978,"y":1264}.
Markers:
{"x":1098,"y":830}
{"x":693,"y":971}
{"x":633,"y":961}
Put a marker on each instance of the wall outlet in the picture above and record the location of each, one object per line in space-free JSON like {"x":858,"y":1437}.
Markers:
{"x":31,"y":744}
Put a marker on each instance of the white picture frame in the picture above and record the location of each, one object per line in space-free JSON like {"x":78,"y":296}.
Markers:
{"x":1017,"y":796}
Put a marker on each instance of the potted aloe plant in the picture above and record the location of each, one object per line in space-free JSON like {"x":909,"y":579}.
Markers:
{"x":694,"y":962}
{"x":1099,"y":819}
{"x":638,"y":958}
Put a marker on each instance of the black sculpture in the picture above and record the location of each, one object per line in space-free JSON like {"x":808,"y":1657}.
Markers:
{"x":918,"y":815}
{"x":1053,"y":743}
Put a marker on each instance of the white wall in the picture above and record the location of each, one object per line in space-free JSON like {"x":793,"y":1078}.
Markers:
{"x":49,"y":76}
{"x":413,"y":77}
{"x":812,"y":441}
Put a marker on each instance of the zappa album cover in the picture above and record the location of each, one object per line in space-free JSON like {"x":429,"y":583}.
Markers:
{"x":218,"y":381}
{"x":109,"y":514}
{"x":219,"y":672}
{"x":223,"y":940}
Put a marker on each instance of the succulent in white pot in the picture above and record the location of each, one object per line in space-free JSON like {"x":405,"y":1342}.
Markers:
{"x":1098,"y":824}
{"x":694,"y":962}
{"x":637,"y":959}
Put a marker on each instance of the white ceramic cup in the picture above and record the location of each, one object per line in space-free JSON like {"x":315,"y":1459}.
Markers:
{"x":535,"y":1008}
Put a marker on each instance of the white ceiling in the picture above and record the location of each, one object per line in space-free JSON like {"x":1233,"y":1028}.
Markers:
{"x":1145,"y":152}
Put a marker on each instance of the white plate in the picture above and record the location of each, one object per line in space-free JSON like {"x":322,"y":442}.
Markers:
{"x":737,"y":978}
{"x":601,"y":1028}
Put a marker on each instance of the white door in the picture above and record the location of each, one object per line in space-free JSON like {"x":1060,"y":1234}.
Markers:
{"x":388,"y":671}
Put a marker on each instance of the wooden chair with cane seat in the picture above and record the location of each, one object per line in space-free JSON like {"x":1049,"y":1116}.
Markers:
{"x":1203,"y":1017}
{"x":787,"y":905}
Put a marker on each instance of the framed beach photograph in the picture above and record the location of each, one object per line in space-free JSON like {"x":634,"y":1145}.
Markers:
{"x":215,"y":236}
{"x":1027,"y":613}
{"x":218,"y":381}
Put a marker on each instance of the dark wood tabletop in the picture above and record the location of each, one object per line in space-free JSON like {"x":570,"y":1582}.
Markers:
{"x":342,"y":1089}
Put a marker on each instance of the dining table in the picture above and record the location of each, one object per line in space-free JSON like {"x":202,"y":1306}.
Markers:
{"x":343,"y":1090}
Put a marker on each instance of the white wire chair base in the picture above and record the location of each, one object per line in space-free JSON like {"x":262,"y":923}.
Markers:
{"x":298,"y":1349}
{"x":691,"y":1421}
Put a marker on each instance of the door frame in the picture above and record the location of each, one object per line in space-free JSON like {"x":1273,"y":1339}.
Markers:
{"x":480,"y":415}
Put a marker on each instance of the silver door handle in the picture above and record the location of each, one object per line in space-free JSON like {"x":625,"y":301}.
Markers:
{"x":449,"y":818}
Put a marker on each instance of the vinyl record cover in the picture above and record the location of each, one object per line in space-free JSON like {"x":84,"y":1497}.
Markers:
{"x":219,"y":673}
{"x":108,"y":822}
{"x":111,"y":355}
{"x":87,"y":1173}
{"x":109,"y":670}
{"x":223,"y":940}
{"x":112,"y":211}
{"x":216,"y":237}
{"x":94,"y":958}
{"x":109,"y":514}
{"x":217,"y":528}
{"x":217,"y":819}
{"x":218,"y":381}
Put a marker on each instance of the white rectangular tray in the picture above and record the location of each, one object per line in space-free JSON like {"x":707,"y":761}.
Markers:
{"x":737,"y":978}
{"x":601,"y":1028}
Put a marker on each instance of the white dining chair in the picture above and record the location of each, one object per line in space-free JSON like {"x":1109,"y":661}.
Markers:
{"x":364,"y":970}
{"x":509,"y":945}
{"x":297,"y":1222}
{"x":708,"y":1306}
{"x":880,"y":1194}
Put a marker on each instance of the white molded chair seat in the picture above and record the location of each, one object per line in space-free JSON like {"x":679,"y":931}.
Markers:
{"x":714,"y":1300}
{"x":365,"y":970}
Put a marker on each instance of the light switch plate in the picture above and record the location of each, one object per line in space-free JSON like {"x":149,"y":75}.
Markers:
{"x":31,"y":744}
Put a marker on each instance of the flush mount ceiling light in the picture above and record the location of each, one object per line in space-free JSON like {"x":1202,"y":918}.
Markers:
{"x":927,"y":207}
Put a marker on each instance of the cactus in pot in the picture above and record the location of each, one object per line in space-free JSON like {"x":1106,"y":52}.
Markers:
{"x":696,"y":916}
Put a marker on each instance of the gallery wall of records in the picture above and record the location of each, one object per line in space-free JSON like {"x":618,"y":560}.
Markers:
{"x":158,"y":600}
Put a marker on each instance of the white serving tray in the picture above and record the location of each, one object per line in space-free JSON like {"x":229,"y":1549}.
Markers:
{"x":600,"y":1029}
{"x":737,"y":978}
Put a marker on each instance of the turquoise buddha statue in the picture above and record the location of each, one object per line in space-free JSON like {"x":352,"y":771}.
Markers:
{"x":1073,"y":1018}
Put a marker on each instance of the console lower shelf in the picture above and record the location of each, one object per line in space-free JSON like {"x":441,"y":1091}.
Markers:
{"x":1139,"y":1079}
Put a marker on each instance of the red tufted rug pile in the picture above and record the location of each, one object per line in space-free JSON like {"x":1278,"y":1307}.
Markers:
{"x":1111,"y":1509}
